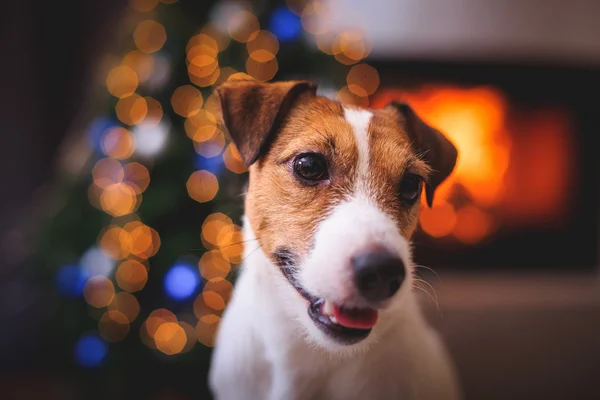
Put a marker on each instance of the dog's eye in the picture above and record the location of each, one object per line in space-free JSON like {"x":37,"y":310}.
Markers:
{"x":310,"y":167}
{"x":410,"y":187}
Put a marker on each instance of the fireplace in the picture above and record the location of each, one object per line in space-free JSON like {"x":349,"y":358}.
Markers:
{"x":525,"y":191}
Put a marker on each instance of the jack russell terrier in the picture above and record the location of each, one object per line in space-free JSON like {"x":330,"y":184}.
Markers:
{"x":324,"y":307}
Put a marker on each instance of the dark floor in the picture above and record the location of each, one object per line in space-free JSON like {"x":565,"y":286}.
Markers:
{"x":522,"y":337}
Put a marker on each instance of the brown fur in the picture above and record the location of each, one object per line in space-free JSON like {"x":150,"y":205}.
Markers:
{"x":276,"y":122}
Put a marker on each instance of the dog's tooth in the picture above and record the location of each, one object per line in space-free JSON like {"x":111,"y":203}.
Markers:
{"x":333,"y":319}
{"x":327,"y":308}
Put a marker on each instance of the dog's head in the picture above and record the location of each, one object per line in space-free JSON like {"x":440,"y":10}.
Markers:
{"x":333,"y":198}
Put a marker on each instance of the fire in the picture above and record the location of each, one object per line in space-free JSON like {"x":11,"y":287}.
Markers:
{"x":489,"y":172}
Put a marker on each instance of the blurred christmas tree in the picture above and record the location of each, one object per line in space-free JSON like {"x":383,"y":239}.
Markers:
{"x":141,"y":251}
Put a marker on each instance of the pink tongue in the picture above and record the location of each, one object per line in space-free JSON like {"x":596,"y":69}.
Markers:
{"x":358,"y":318}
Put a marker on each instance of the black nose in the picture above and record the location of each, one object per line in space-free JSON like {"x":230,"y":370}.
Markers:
{"x":378,"y":275}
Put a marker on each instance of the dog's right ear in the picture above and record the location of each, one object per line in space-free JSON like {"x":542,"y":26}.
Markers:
{"x":253,"y":112}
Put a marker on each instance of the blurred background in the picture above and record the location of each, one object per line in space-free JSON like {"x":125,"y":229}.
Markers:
{"x":120,"y":206}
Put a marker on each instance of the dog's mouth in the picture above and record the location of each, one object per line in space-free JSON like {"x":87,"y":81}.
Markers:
{"x":346,"y":325}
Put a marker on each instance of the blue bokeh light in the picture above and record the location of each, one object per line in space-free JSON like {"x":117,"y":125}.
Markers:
{"x":285,"y":24}
{"x":96,"y":129}
{"x":214,"y":164}
{"x":70,"y":280}
{"x":181,"y":281}
{"x":90,"y":351}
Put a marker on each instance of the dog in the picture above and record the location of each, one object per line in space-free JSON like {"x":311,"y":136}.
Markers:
{"x":324,"y":306}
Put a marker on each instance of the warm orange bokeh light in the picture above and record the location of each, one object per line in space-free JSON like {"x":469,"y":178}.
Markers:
{"x":202,"y":186}
{"x":233,"y":160}
{"x":131,"y":110}
{"x":119,"y":199}
{"x":186,"y":101}
{"x":131,"y":275}
{"x":122,"y":81}
{"x":346,"y":96}
{"x":213,"y":264}
{"x":113,"y":326}
{"x":127,"y":304}
{"x":206,"y":329}
{"x":262,"y":71}
{"x":362,"y":80}
{"x":263,"y":47}
{"x":201,"y":308}
{"x":350,"y":46}
{"x":170,"y":338}
{"x":201,"y":127}
{"x":213,"y":300}
{"x":211,"y":227}
{"x":220,"y":286}
{"x":149,"y":36}
{"x":217,"y":35}
{"x":118,"y":143}
{"x":190,"y":335}
{"x":115,"y":242}
{"x":98,"y":291}
{"x":230,"y":241}
{"x":203,"y":81}
{"x":316,"y":17}
{"x":438,"y":221}
{"x":137,"y":176}
{"x":472,"y":224}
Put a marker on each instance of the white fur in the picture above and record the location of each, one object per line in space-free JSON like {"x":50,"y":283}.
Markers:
{"x":268,"y":348}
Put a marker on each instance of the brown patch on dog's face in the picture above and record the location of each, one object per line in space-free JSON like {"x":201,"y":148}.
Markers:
{"x":285,"y":213}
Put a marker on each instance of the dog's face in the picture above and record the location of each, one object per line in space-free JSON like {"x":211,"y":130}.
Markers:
{"x":333,"y":198}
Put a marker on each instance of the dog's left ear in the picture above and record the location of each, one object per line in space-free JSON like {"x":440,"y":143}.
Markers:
{"x":434,"y":148}
{"x":252,"y":112}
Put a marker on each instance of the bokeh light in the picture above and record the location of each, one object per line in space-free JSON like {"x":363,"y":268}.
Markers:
{"x":150,"y":140}
{"x":113,"y":326}
{"x":107,"y":172}
{"x":90,"y":351}
{"x":149,"y":36}
{"x":363,"y":80}
{"x":350,"y":46}
{"x":202,"y":186}
{"x":233,"y":160}
{"x":220,"y":286}
{"x":213,"y":264}
{"x":115,"y":242}
{"x":243,"y":26}
{"x":96,"y":262}
{"x":204,"y":81}
{"x":119,"y":199}
{"x":213,"y":147}
{"x":70,"y":281}
{"x":181,"y":281}
{"x":472,"y":224}
{"x":217,"y":35}
{"x":170,"y":338}
{"x":131,"y":110}
{"x":206,"y":329}
{"x":136,"y":176}
{"x":131,"y":275}
{"x":211,"y":227}
{"x":263,"y":46}
{"x":190,"y":336}
{"x":213,"y":165}
{"x":213,"y":300}
{"x":122,"y":81}
{"x":98,"y":291}
{"x":262,"y":71}
{"x":127,"y":304}
{"x":118,"y":143}
{"x":154,"y":114}
{"x":439,"y":220}
{"x":316,"y":18}
{"x":141,"y":63}
{"x":186,"y":101}
{"x":230,"y":241}
{"x":285,"y":24}
{"x":346,"y":96}
{"x":201,"y":127}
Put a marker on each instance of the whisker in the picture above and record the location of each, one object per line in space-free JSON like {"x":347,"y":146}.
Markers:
{"x":433,"y":296}
{"x":429,"y":269}
{"x":415,"y":286}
